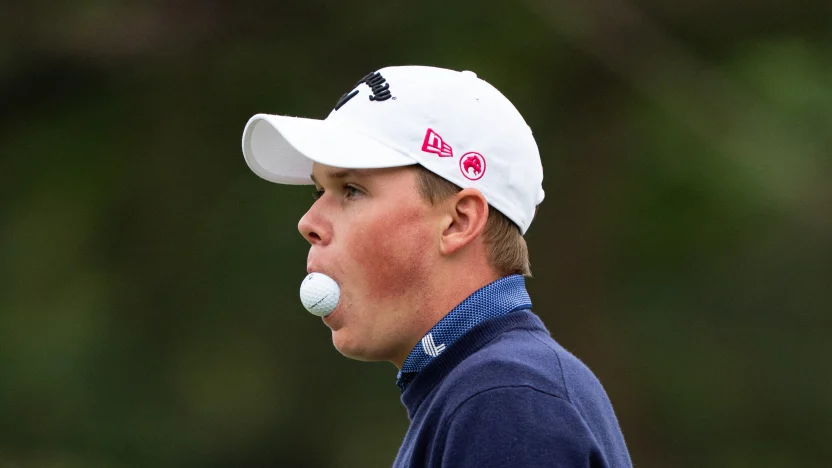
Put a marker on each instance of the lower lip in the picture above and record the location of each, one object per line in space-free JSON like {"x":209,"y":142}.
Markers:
{"x":328,"y":319}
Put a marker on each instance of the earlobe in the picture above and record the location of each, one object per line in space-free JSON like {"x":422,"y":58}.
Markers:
{"x":468,"y":213}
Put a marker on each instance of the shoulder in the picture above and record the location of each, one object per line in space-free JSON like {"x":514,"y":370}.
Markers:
{"x":521,"y":391}
{"x":521,"y":358}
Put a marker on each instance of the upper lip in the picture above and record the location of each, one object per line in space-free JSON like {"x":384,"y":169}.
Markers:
{"x":314,"y":268}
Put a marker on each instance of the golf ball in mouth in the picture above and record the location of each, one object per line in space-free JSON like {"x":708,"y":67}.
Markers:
{"x":319,"y":294}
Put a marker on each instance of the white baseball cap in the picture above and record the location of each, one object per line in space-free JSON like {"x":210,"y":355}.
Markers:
{"x":452,"y":123}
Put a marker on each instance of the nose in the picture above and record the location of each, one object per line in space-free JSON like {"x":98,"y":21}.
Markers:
{"x":314,"y":228}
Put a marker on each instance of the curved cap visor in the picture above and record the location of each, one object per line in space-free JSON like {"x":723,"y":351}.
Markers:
{"x":282,"y":149}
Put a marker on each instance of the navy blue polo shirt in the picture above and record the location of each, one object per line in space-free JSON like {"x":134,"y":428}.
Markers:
{"x":489,"y":387}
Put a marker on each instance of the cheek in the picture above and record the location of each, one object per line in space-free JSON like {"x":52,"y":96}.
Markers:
{"x":391,"y":254}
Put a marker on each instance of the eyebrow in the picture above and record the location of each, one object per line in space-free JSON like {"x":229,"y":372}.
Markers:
{"x":340,"y":174}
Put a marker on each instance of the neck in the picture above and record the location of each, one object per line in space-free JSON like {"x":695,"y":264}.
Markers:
{"x":447,"y":288}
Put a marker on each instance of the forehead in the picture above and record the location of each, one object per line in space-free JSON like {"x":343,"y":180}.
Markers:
{"x":322,"y":174}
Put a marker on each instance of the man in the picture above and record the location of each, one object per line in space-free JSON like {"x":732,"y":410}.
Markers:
{"x":426,"y":181}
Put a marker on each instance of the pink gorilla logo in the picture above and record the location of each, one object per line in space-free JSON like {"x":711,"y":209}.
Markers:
{"x":471,"y":162}
{"x":472,"y":165}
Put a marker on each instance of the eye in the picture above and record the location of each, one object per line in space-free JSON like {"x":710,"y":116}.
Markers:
{"x":318,"y":193}
{"x":351,"y":191}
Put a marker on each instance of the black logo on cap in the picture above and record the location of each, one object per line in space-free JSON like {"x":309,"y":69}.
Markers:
{"x":378,"y":85}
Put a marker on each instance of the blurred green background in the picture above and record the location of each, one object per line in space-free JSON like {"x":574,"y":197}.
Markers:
{"x":149,"y":311}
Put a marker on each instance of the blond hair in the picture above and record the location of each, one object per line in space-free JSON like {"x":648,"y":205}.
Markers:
{"x":508,"y":253}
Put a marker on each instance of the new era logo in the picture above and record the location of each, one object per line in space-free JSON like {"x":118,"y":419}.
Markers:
{"x":430,"y":347}
{"x":433,"y":144}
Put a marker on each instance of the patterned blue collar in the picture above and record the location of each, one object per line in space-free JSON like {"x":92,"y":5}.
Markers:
{"x":493,"y":300}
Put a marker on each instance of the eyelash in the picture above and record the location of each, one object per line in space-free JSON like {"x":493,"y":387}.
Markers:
{"x":347,"y":190}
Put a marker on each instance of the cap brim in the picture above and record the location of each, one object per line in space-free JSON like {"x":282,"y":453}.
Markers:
{"x":282,"y":149}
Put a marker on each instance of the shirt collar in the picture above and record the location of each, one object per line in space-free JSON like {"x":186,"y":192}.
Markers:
{"x":493,"y":300}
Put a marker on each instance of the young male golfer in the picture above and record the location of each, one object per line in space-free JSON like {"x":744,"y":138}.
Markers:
{"x":426,"y":181}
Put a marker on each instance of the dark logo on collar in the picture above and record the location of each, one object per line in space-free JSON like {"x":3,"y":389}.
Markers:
{"x":378,"y":85}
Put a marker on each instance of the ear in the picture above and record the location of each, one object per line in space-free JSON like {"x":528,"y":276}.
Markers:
{"x":468,"y":213}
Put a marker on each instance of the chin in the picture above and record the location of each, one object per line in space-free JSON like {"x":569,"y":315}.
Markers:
{"x":353,"y":348}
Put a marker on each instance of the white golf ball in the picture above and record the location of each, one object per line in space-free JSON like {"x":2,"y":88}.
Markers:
{"x":319,"y":294}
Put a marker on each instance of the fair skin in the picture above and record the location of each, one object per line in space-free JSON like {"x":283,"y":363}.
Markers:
{"x":402,"y":263}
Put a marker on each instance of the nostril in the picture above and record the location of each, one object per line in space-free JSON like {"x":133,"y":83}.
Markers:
{"x":313,"y":228}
